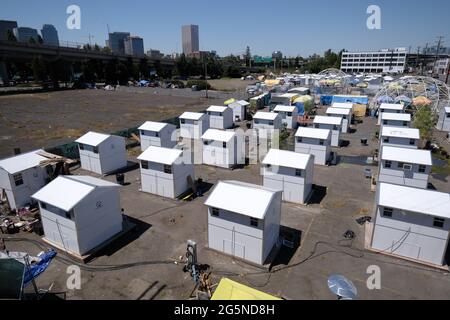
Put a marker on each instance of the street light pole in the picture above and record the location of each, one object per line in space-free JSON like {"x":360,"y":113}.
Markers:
{"x":206,"y":78}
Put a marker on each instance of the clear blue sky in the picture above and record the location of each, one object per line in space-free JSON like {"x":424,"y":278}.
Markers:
{"x":292,"y":26}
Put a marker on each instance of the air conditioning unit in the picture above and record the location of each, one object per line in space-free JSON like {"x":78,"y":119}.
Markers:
{"x":407,"y":167}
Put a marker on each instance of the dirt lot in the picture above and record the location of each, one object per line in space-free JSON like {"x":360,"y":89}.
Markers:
{"x":230,"y":84}
{"x":165,"y":225}
{"x":31,"y":121}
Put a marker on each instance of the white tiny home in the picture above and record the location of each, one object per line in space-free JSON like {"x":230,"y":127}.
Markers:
{"x":223,"y":148}
{"x":345,"y":105}
{"x":102,"y":153}
{"x":396,"y":119}
{"x":403,"y":166}
{"x":267,"y":120}
{"x":290,"y":172}
{"x":79,"y":213}
{"x":443,"y":123}
{"x":164,"y":173}
{"x":289,"y":116}
{"x":220,"y":117}
{"x":157,"y":134}
{"x":21,"y":176}
{"x":193,"y":125}
{"x":300,"y":90}
{"x":345,"y":114}
{"x":412,"y":223}
{"x":239,"y":110}
{"x":331,"y":123}
{"x":389,"y":108}
{"x":244,"y":220}
{"x":399,"y":137}
{"x":316,"y":142}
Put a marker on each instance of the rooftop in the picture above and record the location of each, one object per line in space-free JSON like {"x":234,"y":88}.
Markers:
{"x":282,"y":158}
{"x":342,"y":105}
{"x":407,"y":155}
{"x":392,"y":106}
{"x":400,"y":132}
{"x":339,"y":111}
{"x":323,"y":134}
{"x":93,"y":138}
{"x":265,"y":115}
{"x":218,"y":135}
{"x":415,"y":200}
{"x":160,"y":155}
{"x":153,"y":126}
{"x":65,"y":192}
{"x":284,"y":108}
{"x":234,"y":196}
{"x":328,"y":120}
{"x":217,"y":108}
{"x":396,"y":116}
{"x":192,"y":115}
{"x":22,"y":162}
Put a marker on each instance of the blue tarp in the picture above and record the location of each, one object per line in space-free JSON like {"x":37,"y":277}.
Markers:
{"x":351,"y":99}
{"x":300,"y":108}
{"x":326,"y":100}
{"x":36,"y":269}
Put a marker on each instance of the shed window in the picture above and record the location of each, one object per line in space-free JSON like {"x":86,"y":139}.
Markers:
{"x":405,"y":124}
{"x":400,"y":165}
{"x":43,"y":205}
{"x":144,"y":164}
{"x":95,"y":149}
{"x":422,"y":168}
{"x":270,"y":123}
{"x":298,"y":172}
{"x":254,"y":222}
{"x":157,"y":134}
{"x":387,"y":212}
{"x":299,"y":139}
{"x":224,"y":145}
{"x":256,"y":121}
{"x":18,"y":179}
{"x":81,"y":146}
{"x":70,"y":215}
{"x":289,"y":114}
{"x":182,"y":121}
{"x":438,"y":222}
{"x":335,"y":127}
{"x":386,"y":139}
{"x":412,"y":142}
{"x":215,"y":212}
{"x":387,"y":164}
{"x":167,"y":168}
{"x":321,"y":142}
{"x":385,"y":122}
{"x":448,"y":115}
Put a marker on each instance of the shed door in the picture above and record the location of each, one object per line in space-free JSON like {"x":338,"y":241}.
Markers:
{"x":291,"y":192}
{"x":95,"y":165}
{"x":406,"y":249}
{"x":152,"y":184}
{"x":239,"y":250}
{"x":227,"y":246}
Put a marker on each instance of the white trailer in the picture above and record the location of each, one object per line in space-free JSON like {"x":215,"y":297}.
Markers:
{"x":20,"y":177}
{"x":79,"y":213}
{"x":244,"y":220}
{"x":331,"y":123}
{"x":157,"y":134}
{"x":316,"y":142}
{"x":223,"y":148}
{"x":345,"y":114}
{"x":290,"y":172}
{"x":220,"y":117}
{"x":102,"y":153}
{"x":193,"y":125}
{"x":289,"y":115}
{"x":164,"y":173}
{"x":412,"y":223}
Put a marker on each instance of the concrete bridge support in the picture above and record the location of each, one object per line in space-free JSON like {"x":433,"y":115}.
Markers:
{"x":4,"y":73}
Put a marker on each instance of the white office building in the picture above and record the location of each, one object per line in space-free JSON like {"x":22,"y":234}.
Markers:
{"x":290,"y":172}
{"x":412,"y":223}
{"x":157,"y":134}
{"x":383,"y":61}
{"x":244,"y":220}
{"x":316,"y":142}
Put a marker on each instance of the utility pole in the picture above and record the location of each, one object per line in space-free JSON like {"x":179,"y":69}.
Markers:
{"x":206,"y":76}
{"x":437,"y":52}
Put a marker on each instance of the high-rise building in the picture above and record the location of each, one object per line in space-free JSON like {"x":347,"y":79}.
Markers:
{"x":24,"y":34}
{"x":6,"y":26}
{"x":155,"y":54}
{"x":134,"y":46}
{"x":190,"y":39}
{"x":116,"y":42}
{"x":383,"y":61}
{"x":50,"y":35}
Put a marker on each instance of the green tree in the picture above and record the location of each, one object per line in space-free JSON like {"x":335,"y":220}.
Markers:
{"x":143,"y":68}
{"x":39,"y":69}
{"x":424,"y":121}
{"x":248,"y":57}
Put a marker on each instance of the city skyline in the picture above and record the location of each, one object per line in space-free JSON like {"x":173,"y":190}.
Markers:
{"x":343,"y":26}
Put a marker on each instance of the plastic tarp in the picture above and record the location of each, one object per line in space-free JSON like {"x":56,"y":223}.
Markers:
{"x":303,"y":103}
{"x":385,"y":99}
{"x":351,"y":99}
{"x":229,"y":101}
{"x":326,"y":100}
{"x":36,"y":269}
{"x":231,"y":290}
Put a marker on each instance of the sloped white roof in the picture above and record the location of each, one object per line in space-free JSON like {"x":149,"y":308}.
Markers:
{"x":415,"y":200}
{"x":243,"y":103}
{"x":392,"y":106}
{"x":160,"y":155}
{"x":343,"y":105}
{"x":192,"y":115}
{"x":153,"y":126}
{"x":218,"y":135}
{"x":289,"y":95}
{"x":217,"y":109}
{"x":281,"y":108}
{"x":65,"y":192}
{"x":395,"y":116}
{"x":288,"y":159}
{"x":93,"y":138}
{"x":301,"y":89}
{"x":323,"y":134}
{"x":246,"y":199}
{"x":22,"y":162}
{"x":265,"y":115}
{"x":328,"y":120}
{"x":447,"y":109}
{"x":407,"y":155}
{"x":339,"y":111}
{"x":400,"y":132}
